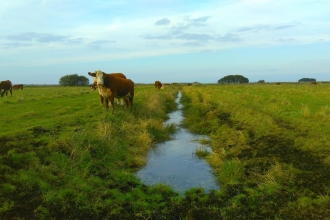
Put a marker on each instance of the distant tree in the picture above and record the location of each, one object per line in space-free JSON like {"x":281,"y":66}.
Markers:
{"x":261,"y":81}
{"x":233,"y":79}
{"x":307,"y":80}
{"x":74,"y":80}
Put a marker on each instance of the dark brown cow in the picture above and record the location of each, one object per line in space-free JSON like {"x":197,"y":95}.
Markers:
{"x":111,"y":86}
{"x":158,"y":84}
{"x":5,"y":86}
{"x":313,"y":83}
{"x":189,"y":84}
{"x":278,"y":83}
{"x":18,"y":86}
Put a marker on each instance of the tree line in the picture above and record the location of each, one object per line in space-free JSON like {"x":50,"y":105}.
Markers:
{"x":233,"y":79}
{"x":74,"y":80}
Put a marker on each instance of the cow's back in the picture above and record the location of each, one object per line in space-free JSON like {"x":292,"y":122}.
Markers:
{"x":119,"y":86}
{"x":120,"y":75}
{"x":6,"y":84}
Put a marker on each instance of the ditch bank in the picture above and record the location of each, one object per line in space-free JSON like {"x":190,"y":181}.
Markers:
{"x":175,"y":163}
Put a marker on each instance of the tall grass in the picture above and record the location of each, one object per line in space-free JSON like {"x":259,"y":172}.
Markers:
{"x":64,"y":156}
{"x":270,"y":146}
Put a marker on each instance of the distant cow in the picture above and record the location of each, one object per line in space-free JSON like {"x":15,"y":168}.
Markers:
{"x":111,"y":86}
{"x":189,"y":84}
{"x":313,"y":83}
{"x":158,"y":84}
{"x":278,"y":83}
{"x":5,"y":86}
{"x":18,"y":86}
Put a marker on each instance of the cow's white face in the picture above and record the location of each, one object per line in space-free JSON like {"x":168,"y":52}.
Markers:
{"x":99,"y":78}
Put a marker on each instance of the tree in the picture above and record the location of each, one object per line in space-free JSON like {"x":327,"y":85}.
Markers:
{"x":74,"y":80}
{"x":307,"y":80}
{"x":233,"y":79}
{"x":261,"y":81}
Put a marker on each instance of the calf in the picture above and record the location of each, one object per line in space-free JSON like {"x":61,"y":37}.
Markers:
{"x":5,"y":86}
{"x":93,"y":86}
{"x":111,"y":86}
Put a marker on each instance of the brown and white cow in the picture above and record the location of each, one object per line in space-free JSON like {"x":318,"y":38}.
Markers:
{"x":5,"y":86}
{"x":18,"y":86}
{"x":158,"y":84}
{"x":112,"y":86}
{"x":120,"y":101}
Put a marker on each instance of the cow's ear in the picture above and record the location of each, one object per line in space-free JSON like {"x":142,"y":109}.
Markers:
{"x":92,"y":74}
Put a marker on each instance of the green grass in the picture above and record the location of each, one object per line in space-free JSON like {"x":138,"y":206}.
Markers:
{"x":64,"y":156}
{"x":271,"y":146}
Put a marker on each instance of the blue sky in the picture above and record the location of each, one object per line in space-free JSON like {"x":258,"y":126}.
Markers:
{"x":166,"y":40}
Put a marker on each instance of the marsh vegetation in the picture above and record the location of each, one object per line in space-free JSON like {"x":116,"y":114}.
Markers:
{"x":63,"y":156}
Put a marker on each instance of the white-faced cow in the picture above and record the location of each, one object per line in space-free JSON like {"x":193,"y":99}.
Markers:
{"x":158,"y":84}
{"x":120,"y":101}
{"x":6,"y":86}
{"x":112,"y":86}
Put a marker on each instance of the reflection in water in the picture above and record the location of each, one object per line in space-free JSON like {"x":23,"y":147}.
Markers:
{"x":174,"y":163}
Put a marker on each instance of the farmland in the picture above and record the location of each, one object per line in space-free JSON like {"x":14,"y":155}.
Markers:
{"x":63,"y":155}
{"x":271,"y":147}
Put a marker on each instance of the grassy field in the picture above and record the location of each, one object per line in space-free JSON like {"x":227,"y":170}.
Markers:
{"x":64,"y":156}
{"x":271,"y":147}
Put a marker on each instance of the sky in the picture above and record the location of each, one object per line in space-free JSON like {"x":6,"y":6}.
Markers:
{"x":165,"y":40}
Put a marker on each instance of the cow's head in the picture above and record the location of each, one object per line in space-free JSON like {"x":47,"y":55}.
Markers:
{"x":98,"y":77}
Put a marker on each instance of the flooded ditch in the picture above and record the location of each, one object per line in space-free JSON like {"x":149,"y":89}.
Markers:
{"x":174,"y":162}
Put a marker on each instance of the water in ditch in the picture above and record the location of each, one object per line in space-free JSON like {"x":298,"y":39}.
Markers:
{"x":174,"y":162}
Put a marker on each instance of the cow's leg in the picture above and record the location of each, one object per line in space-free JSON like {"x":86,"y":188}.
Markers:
{"x":126,"y":102}
{"x":101,"y":99}
{"x":112,"y":97}
{"x":107,"y":103}
{"x":11,"y":92}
